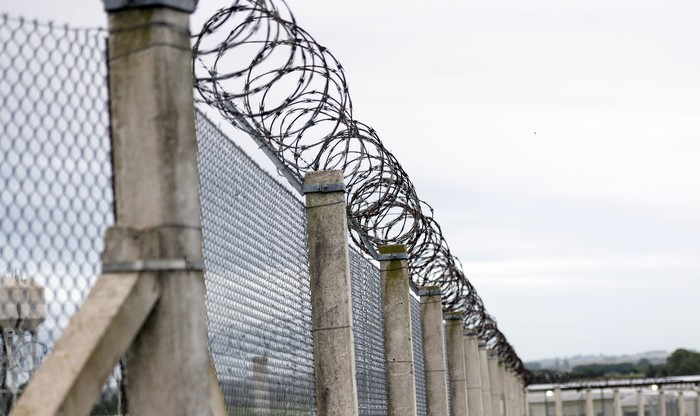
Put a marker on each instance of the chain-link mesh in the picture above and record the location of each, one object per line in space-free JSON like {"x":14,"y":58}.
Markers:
{"x":55,"y":190}
{"x":418,"y":354}
{"x":56,"y":202}
{"x":368,"y":322}
{"x":257,"y":281}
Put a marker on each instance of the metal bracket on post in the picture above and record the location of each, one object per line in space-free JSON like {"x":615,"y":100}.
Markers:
{"x":182,"y":5}
{"x":323,"y":188}
{"x":159,"y":265}
{"x":470,"y":332}
{"x":392,"y":256}
{"x":433,"y":292}
{"x":452,"y":316}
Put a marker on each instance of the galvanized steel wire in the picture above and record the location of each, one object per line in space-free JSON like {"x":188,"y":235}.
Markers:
{"x":55,"y":186}
{"x":269,"y":77}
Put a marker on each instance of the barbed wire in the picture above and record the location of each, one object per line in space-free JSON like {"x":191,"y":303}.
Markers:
{"x":269,"y":77}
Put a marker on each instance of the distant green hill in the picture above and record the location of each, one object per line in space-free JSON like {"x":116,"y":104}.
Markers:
{"x":568,"y":363}
{"x":652,"y":364}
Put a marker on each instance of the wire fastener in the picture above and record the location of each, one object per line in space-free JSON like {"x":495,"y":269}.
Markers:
{"x":323,"y":188}
{"x":159,"y":265}
{"x":392,"y":256}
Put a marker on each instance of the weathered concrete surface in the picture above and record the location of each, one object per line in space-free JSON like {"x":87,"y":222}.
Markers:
{"x":617,"y":405}
{"x":152,"y":107}
{"x":681,"y":403}
{"x":640,"y":403}
{"x":514,"y":400}
{"x":70,"y":379}
{"x":521,"y":403}
{"x":331,"y":305}
{"x":485,"y":380}
{"x":496,"y":377}
{"x":157,"y":196}
{"x":455,"y":363}
{"x":558,"y":405}
{"x":216,"y":396}
{"x":473,"y":373}
{"x":589,"y":403}
{"x":401,"y":381}
{"x":508,"y":389}
{"x":433,"y":347}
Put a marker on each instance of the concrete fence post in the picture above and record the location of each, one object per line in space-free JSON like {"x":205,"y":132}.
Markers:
{"x":331,"y":304}
{"x":589,"y":403}
{"x":433,"y":336}
{"x":526,"y":400}
{"x":512,"y":394}
{"x":697,"y":402}
{"x":496,"y":376}
{"x":522,"y":395}
{"x":640,"y":402}
{"x":485,"y":379}
{"x":508,"y":392}
{"x":662,"y":403}
{"x":401,"y":382}
{"x":681,"y":403}
{"x":504,"y":386}
{"x":558,"y":405}
{"x":156,"y":188}
{"x":455,"y":363}
{"x":473,"y":372}
{"x":149,"y":301}
{"x":617,"y":405}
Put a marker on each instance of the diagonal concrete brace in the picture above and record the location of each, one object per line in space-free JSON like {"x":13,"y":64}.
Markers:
{"x":71,"y":378}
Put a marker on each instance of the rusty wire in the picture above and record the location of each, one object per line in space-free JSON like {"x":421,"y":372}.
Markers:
{"x":269,"y":77}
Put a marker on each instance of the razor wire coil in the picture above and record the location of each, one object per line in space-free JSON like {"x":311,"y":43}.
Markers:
{"x":268,"y":76}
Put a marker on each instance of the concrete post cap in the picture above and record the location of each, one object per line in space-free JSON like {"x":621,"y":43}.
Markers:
{"x":182,"y":5}
{"x":470,"y":332}
{"x":429,"y":291}
{"x":449,"y":316}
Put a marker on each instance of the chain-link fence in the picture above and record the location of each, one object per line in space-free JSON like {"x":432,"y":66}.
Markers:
{"x":368,"y":323}
{"x":56,"y":202}
{"x":257,"y":281}
{"x":55,"y":190}
{"x":258,"y":294}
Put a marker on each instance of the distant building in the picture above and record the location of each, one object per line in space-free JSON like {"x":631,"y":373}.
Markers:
{"x":679,"y":396}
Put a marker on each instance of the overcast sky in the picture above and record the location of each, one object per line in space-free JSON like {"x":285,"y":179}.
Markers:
{"x":557,"y":142}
